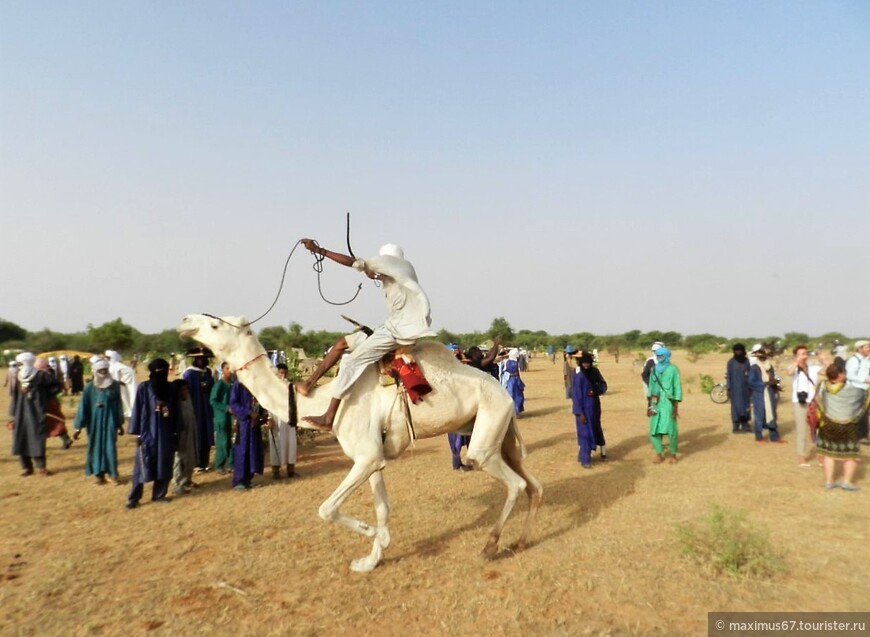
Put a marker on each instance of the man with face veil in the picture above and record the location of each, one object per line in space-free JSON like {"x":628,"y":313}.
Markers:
{"x":737,"y":382}
{"x":76,"y":375}
{"x":665,"y":393}
{"x":200,"y":381}
{"x":33,"y":389}
{"x":54,"y":418}
{"x":587,"y":384}
{"x":155,"y":421}
{"x":102,"y":415}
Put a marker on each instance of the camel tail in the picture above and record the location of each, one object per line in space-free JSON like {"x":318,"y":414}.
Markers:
{"x":514,"y":430}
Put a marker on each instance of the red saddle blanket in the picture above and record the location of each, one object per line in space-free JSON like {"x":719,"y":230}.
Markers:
{"x":411,"y":377}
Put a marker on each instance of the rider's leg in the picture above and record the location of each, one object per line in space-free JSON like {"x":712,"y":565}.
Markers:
{"x":331,"y":358}
{"x":370,"y":350}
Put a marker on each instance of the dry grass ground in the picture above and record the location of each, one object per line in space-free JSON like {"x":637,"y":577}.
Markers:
{"x":605,"y":557}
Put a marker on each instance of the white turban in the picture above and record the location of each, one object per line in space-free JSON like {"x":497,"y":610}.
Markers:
{"x":392,"y":250}
{"x":94,"y":359}
{"x":113,"y":356}
{"x":514,"y":354}
{"x":100,"y":364}
{"x":25,"y":361}
{"x":25,"y":358}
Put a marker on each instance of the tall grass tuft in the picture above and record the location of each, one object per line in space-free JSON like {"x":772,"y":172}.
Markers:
{"x":725,"y":543}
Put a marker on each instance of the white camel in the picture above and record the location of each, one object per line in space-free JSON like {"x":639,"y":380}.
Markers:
{"x":371,"y":425}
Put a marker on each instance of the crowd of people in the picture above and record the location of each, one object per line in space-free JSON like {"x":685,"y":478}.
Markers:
{"x":176,"y":422}
{"x":829,"y":399}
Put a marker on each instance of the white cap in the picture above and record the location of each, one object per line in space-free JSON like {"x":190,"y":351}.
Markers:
{"x":391,"y":250}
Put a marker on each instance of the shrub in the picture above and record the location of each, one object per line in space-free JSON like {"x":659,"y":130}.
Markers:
{"x":724,"y":543}
{"x":706,"y":383}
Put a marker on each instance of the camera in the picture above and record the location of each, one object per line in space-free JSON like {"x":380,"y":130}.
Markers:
{"x":802,"y":397}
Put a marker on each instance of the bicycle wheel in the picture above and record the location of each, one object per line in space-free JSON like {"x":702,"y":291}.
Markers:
{"x":719,"y":394}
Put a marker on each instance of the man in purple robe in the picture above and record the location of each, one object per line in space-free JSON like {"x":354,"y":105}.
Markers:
{"x":199,"y":383}
{"x":247,"y":440}
{"x":155,"y":420}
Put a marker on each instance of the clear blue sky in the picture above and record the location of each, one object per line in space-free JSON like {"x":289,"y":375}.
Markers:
{"x":571,"y":166}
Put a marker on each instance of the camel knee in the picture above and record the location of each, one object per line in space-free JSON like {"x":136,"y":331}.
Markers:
{"x":327,"y":512}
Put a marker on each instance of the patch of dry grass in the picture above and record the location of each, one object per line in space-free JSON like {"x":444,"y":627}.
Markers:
{"x":604,"y":561}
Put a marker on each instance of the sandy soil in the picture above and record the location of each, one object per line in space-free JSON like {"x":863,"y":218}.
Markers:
{"x":605,"y":558}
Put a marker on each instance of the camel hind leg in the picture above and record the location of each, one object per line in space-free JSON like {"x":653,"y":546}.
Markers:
{"x":513,"y":451}
{"x":485,"y":451}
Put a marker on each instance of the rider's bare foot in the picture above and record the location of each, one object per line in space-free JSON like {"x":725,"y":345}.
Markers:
{"x":321,"y":423}
{"x":302,"y":388}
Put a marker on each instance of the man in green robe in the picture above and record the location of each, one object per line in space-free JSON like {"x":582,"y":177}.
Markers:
{"x":665,"y":393}
{"x":101,"y":413}
{"x":220,"y":406}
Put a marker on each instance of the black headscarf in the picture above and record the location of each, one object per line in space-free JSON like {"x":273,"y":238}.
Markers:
{"x":159,"y":376}
{"x":589,"y":372}
{"x":739,"y":350}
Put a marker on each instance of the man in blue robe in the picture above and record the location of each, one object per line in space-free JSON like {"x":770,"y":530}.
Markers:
{"x":511,"y":381}
{"x":155,"y":420}
{"x":199,"y":383}
{"x":587,"y":385}
{"x":737,"y":382}
{"x":247,"y":440}
{"x":765,"y":394}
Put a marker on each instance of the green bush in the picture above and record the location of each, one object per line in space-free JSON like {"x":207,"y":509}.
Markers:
{"x":724,"y":543}
{"x":706,"y":383}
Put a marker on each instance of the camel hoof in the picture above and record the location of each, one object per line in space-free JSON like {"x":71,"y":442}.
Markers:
{"x":364,"y":564}
{"x":519,"y":546}
{"x":490,"y":550}
{"x":383,"y":537}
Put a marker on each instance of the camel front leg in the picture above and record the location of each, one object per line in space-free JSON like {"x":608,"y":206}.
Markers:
{"x":382,"y":535}
{"x":330,"y":510}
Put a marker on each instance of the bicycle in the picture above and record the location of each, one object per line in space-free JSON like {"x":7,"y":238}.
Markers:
{"x":719,"y":393}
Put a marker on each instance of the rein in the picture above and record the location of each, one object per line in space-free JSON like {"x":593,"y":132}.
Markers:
{"x":318,"y":267}
{"x":250,"y":362}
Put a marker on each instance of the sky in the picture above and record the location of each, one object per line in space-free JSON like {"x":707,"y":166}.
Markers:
{"x":569,"y":166}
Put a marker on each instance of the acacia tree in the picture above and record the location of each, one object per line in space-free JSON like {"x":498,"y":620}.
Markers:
{"x":615,"y":345}
{"x":115,"y":335}
{"x":9,"y":331}
{"x":501,"y":329}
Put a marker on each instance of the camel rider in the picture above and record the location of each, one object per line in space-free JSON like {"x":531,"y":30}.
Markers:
{"x":408,"y":320}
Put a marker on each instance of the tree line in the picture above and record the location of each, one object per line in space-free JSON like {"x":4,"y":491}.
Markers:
{"x":127,"y":339}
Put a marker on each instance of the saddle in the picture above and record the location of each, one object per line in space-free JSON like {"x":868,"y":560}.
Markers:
{"x":400,"y":366}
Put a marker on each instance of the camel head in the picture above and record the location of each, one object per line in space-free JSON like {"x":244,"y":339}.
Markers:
{"x":229,"y":337}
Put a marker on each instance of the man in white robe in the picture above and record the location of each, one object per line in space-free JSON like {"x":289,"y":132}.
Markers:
{"x":408,"y":320}
{"x":124,"y":375}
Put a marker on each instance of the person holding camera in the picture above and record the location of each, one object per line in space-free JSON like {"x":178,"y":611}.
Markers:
{"x":804,"y":380}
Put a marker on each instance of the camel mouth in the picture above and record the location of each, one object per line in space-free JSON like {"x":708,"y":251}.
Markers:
{"x":187,"y":332}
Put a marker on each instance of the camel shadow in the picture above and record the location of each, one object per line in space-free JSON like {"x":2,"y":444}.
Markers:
{"x":588,"y":494}
{"x":603,"y":492}
{"x":543,"y":411}
{"x":551,"y":441}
